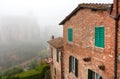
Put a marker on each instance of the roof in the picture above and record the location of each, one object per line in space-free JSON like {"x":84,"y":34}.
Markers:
{"x":92,"y":6}
{"x":57,"y":42}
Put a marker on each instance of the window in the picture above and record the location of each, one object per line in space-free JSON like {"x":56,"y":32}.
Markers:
{"x":70,"y":34}
{"x":51,"y":52}
{"x":99,"y":37}
{"x":57,"y":55}
{"x":73,"y":65}
{"x":54,"y":71}
{"x":93,"y":75}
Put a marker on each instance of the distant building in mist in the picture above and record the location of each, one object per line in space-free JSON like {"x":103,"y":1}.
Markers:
{"x":56,"y":50}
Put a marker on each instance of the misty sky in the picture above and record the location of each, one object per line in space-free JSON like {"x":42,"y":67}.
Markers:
{"x":48,"y":12}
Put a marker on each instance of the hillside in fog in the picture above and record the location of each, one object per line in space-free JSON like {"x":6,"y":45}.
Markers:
{"x":22,"y":38}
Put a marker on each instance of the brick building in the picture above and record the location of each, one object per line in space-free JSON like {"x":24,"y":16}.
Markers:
{"x":89,"y":42}
{"x":56,"y":46}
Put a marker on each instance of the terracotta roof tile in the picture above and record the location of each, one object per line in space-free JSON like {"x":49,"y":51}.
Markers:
{"x":96,"y":6}
{"x":57,"y":42}
{"x":102,"y":7}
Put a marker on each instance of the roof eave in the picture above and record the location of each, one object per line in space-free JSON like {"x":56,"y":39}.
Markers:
{"x":55,"y":46}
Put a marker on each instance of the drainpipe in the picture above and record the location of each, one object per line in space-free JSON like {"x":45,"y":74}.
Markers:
{"x":116,"y":18}
{"x":116,"y":40}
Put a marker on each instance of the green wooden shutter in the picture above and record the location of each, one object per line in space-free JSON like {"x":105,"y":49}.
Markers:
{"x":76,"y":67}
{"x":101,"y":36}
{"x":70,"y":61}
{"x":96,"y":36}
{"x":89,"y":74}
{"x":70,"y":34}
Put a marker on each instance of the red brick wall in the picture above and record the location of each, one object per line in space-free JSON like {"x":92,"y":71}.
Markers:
{"x":83,"y":24}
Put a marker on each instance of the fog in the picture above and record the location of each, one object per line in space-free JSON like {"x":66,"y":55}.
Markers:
{"x":21,"y":39}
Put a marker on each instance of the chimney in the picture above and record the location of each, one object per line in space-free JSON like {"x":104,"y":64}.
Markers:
{"x":52,"y":37}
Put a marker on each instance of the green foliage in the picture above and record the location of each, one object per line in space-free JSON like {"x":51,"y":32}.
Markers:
{"x":12,"y":71}
{"x":40,"y":72}
{"x":37,"y":73}
{"x":47,"y":74}
{"x":28,"y":73}
{"x":0,"y":76}
{"x":33,"y":64}
{"x":42,"y":62}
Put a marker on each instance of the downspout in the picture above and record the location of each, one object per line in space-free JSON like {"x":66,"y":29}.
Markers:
{"x":116,"y":40}
{"x":116,"y":18}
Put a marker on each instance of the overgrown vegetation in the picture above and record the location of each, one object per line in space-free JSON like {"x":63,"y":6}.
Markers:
{"x":8,"y":73}
{"x":47,"y":74}
{"x":33,"y":64}
{"x":40,"y":72}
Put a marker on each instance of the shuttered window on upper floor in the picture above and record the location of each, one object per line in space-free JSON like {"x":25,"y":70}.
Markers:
{"x":70,"y":34}
{"x":99,"y":37}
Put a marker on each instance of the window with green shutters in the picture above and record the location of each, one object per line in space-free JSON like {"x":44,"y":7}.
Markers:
{"x":89,"y":74}
{"x":73,"y":65}
{"x":99,"y":37}
{"x":93,"y":75}
{"x":70,"y":34}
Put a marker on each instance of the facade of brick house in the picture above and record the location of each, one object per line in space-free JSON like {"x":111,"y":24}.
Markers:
{"x":89,"y":41}
{"x":56,"y":47}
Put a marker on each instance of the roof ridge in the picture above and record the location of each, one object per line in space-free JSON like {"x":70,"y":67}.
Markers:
{"x":96,"y":3}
